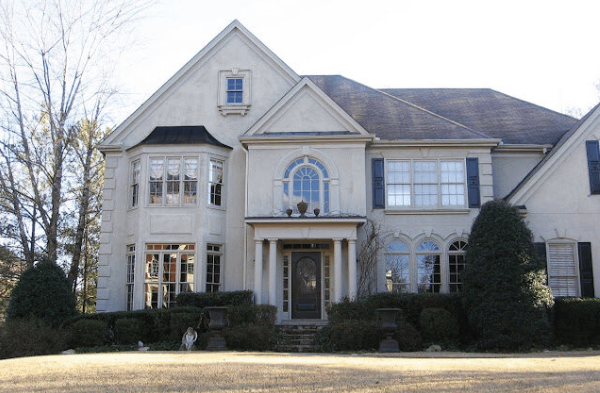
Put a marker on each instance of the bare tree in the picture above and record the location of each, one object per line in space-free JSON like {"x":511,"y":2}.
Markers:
{"x":56,"y":59}
{"x":368,"y":257}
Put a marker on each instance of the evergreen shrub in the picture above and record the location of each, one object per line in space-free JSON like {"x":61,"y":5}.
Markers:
{"x":212,"y":299}
{"x":89,"y":333}
{"x":506,"y":295}
{"x":355,"y":335}
{"x":438,"y":325}
{"x":408,"y":337}
{"x":31,"y":337}
{"x":129,"y":330}
{"x":251,"y":327}
{"x":577,"y":322}
{"x":43,"y":292}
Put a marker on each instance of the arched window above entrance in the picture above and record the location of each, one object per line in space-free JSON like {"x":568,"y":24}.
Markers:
{"x":306,"y":179}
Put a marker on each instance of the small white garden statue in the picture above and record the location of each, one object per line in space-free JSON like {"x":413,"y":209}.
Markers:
{"x":188,"y":339}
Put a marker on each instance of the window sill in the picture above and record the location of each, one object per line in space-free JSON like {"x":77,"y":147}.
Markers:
{"x":238,"y":109}
{"x":427,"y":211}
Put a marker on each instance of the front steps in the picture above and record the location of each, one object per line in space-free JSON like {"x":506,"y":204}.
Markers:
{"x":298,"y":337}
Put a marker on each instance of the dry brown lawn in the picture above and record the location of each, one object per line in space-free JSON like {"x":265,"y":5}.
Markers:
{"x":274,"y":372}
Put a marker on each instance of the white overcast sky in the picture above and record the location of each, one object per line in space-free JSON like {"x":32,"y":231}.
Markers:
{"x":545,"y":52}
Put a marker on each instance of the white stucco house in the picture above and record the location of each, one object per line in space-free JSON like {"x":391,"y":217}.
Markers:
{"x":203,"y":182}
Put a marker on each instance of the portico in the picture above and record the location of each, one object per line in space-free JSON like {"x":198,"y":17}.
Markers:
{"x":303,"y":264}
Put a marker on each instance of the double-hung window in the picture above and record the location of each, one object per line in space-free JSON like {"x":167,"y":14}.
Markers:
{"x":425,"y":183}
{"x":235,"y":90}
{"x":213,"y":267}
{"x":130,"y":279}
{"x":215,"y":182}
{"x":173,"y":181}
{"x":134,"y":188}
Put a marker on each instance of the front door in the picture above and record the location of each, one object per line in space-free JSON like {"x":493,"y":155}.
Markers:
{"x":306,"y":285}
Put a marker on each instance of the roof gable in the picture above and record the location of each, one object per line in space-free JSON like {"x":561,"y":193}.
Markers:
{"x":235,"y":30}
{"x":306,"y":110}
{"x":588,"y":127}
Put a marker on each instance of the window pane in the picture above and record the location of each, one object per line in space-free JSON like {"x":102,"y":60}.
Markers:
{"x":429,"y":276}
{"x":425,"y":172}
{"x":216,"y":182}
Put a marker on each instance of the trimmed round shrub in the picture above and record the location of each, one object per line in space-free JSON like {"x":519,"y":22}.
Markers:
{"x":355,"y":335}
{"x":438,"y":325}
{"x":43,"y":292}
{"x":506,"y":295}
{"x":89,"y":333}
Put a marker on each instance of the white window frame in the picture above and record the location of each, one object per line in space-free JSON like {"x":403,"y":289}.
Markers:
{"x":214,"y":257}
{"x":181,"y":198}
{"x":434,"y":286}
{"x":457,"y":251}
{"x":130,"y":278}
{"x":135,"y":173}
{"x":216,"y":186}
{"x":391,"y":284}
{"x":408,"y":185}
{"x":290,"y":201}
{"x":242,"y":108}
{"x":167,"y":290}
{"x":563,"y":268}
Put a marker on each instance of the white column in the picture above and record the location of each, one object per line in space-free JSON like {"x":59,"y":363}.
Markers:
{"x":337,"y":270}
{"x":273,"y":272}
{"x":258,"y":271}
{"x":352,"y":270}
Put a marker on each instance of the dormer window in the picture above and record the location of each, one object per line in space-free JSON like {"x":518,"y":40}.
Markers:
{"x":234,"y":92}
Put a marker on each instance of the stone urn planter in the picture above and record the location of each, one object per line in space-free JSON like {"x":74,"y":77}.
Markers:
{"x":302,"y":207}
{"x":387,"y":322}
{"x":215,"y":320}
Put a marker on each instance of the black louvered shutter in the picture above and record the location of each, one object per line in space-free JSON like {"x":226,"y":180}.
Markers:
{"x":593,"y":156}
{"x":378,"y":183}
{"x":586,"y":274}
{"x":473,"y":182}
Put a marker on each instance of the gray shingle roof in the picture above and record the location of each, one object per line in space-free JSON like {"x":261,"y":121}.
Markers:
{"x":493,"y":113}
{"x":388,"y":117}
{"x":396,"y":114}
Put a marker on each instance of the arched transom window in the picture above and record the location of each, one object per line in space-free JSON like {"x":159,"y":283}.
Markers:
{"x":306,"y":179}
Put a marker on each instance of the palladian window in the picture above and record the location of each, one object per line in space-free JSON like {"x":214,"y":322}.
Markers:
{"x":306,"y":179}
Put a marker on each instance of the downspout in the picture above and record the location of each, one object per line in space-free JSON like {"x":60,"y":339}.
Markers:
{"x":245,"y":258}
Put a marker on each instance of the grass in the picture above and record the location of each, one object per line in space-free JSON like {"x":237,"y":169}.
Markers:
{"x":275,"y":372}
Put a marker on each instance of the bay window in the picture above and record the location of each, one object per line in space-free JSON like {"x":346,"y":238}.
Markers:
{"x":173,"y":181}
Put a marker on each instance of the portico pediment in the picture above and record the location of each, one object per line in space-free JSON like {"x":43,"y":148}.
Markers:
{"x":305,"y":111}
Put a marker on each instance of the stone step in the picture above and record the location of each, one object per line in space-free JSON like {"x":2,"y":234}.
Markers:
{"x":297,"y":338}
